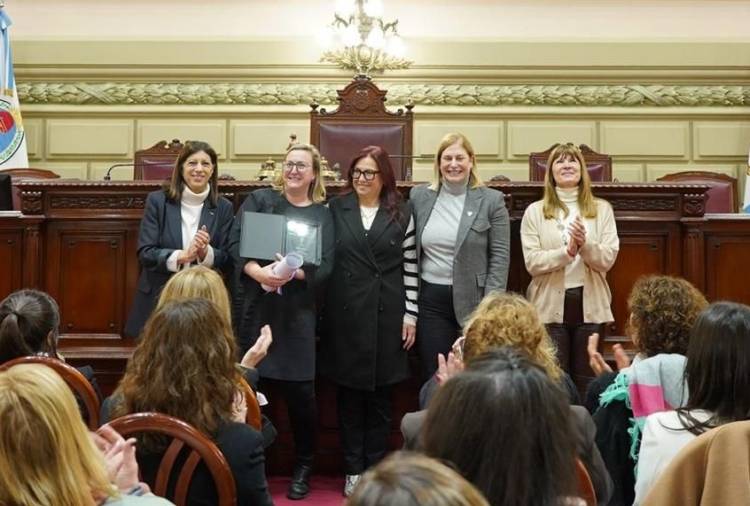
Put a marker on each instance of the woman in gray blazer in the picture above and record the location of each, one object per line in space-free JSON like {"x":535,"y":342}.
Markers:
{"x":463,"y":247}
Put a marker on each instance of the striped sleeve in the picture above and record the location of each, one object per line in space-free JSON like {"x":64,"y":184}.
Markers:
{"x":410,"y":273}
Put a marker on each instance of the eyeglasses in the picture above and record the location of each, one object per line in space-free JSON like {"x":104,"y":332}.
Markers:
{"x":300,"y":166}
{"x":369,"y":174}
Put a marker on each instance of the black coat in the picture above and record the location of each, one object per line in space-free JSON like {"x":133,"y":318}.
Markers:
{"x":161,"y":234}
{"x":292,"y":314}
{"x":365,"y":303}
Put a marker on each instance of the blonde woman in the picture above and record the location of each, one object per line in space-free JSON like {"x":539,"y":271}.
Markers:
{"x":463,"y":247}
{"x":291,"y":312}
{"x":570,"y":241}
{"x":46,"y":454}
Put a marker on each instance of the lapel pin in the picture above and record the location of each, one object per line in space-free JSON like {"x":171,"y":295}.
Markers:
{"x":470,"y":213}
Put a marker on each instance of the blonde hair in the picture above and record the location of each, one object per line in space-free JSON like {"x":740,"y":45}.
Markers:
{"x":411,"y":479}
{"x":46,"y":454}
{"x":447,"y":141}
{"x":552,"y":202}
{"x":507,"y":319}
{"x":317,"y":190}
{"x":198,"y":282}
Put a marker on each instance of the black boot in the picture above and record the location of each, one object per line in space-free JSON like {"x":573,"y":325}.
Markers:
{"x":300,"y":485}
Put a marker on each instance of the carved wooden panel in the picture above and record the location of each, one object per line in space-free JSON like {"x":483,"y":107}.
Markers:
{"x":11,"y":258}
{"x":728,"y":256}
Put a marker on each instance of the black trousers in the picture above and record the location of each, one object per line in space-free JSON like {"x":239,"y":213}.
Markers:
{"x":364,"y":425}
{"x":571,"y":338}
{"x":437,"y":328}
{"x":303,"y":414}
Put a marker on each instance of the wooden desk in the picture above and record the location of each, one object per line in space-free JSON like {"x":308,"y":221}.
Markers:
{"x":77,"y":240}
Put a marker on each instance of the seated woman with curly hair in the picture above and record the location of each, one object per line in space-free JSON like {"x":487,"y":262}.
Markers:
{"x":184,"y":366}
{"x":663,"y":310}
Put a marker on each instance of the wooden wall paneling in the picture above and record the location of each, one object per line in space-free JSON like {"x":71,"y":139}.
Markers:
{"x":727,"y":253}
{"x":11,"y":258}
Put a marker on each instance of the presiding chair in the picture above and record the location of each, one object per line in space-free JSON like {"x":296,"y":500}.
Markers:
{"x":721,"y":198}
{"x":73,"y":377}
{"x":599,"y":165}
{"x":201,"y":448}
{"x":156,"y":162}
{"x":362,"y":120}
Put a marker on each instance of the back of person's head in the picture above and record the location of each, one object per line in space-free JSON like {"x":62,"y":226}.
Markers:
{"x":46,"y":454}
{"x":410,"y":479}
{"x":183,"y":366}
{"x":718,"y":366}
{"x":197,"y":283}
{"x":507,"y":319}
{"x":506,"y":427}
{"x":662,"y":312}
{"x":29,"y":321}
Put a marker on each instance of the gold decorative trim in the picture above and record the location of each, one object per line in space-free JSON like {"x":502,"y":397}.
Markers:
{"x":487,"y":95}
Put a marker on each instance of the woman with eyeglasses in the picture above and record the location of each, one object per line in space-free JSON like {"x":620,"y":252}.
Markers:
{"x":463,"y":247}
{"x":185,"y":223}
{"x":290,"y":307}
{"x":569,"y":241}
{"x":371,"y":307}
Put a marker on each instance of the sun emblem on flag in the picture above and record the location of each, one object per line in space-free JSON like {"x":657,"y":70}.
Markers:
{"x":11,"y":129}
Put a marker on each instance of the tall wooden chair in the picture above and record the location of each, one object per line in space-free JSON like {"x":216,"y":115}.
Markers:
{"x":722,"y":197}
{"x":361,"y":120}
{"x":253,"y":408}
{"x":201,"y":448}
{"x":599,"y":165}
{"x":585,"y":485}
{"x":156,"y":162}
{"x":73,"y":377}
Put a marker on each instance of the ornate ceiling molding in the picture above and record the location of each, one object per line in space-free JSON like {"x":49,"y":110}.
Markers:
{"x":562,"y":95}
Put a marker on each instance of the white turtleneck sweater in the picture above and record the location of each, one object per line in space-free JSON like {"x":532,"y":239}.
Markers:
{"x":440,"y":234}
{"x":574,"y":271}
{"x":191,"y":206}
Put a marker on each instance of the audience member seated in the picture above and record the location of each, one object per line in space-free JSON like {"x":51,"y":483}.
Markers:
{"x":46,"y":454}
{"x":518,"y":444}
{"x":662,"y":312}
{"x":410,"y":479}
{"x":718,"y":377}
{"x":29,"y":323}
{"x":184,"y":366}
{"x":711,"y":470}
{"x":204,"y":283}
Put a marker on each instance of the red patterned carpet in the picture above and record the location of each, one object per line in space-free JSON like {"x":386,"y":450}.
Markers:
{"x":326,"y":491}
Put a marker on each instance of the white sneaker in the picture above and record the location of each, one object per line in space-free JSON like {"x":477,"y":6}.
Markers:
{"x":351,"y":482}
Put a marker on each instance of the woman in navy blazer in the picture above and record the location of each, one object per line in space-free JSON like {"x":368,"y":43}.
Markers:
{"x":186,"y":223}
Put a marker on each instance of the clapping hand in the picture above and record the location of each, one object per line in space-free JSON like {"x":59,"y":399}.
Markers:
{"x":119,"y":457}
{"x":259,"y":350}
{"x":578,"y":232}
{"x":239,"y":407}
{"x":200,"y":242}
{"x":597,"y":362}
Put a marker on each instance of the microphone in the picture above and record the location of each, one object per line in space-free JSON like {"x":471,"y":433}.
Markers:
{"x":108,"y":175}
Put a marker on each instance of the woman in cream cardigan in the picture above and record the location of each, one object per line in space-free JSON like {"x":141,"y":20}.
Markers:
{"x":569,"y":241}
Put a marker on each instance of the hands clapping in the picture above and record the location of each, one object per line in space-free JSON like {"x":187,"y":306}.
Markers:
{"x":119,"y":457}
{"x":198,"y":247}
{"x":259,"y":350}
{"x":577,"y":232}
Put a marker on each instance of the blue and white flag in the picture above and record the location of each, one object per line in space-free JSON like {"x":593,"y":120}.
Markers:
{"x":746,"y":201}
{"x":13,"y":152}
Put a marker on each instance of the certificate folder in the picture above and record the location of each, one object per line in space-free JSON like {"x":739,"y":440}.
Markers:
{"x":263,"y":235}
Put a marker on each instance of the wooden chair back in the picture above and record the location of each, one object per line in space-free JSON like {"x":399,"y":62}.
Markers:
{"x":361,"y":120}
{"x":599,"y":165}
{"x":253,"y":408}
{"x":73,"y":377}
{"x":202,"y":448}
{"x":722,"y":197}
{"x":585,"y":485}
{"x":156,"y":162}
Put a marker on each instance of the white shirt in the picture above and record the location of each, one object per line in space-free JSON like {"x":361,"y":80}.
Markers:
{"x":191,"y":206}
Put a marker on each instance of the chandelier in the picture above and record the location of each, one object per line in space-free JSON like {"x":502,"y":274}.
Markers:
{"x":359,"y":39}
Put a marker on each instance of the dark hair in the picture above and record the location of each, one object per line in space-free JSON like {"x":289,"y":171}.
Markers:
{"x":176,"y":184}
{"x":411,"y":479}
{"x":517,"y":447}
{"x":662,"y":312}
{"x":717,"y":370}
{"x":26,"y":319}
{"x":390,"y":198}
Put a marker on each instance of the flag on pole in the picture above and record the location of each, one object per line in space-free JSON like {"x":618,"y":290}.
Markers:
{"x":746,"y":201}
{"x":13,"y":152}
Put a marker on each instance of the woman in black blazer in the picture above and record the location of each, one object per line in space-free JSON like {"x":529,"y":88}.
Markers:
{"x":370,"y":309}
{"x":186,"y":223}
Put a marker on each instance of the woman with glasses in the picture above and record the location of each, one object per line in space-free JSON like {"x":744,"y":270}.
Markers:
{"x":290,"y":305}
{"x":463,"y":247}
{"x":186,"y":223}
{"x":569,"y":241}
{"x":371,"y":307}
